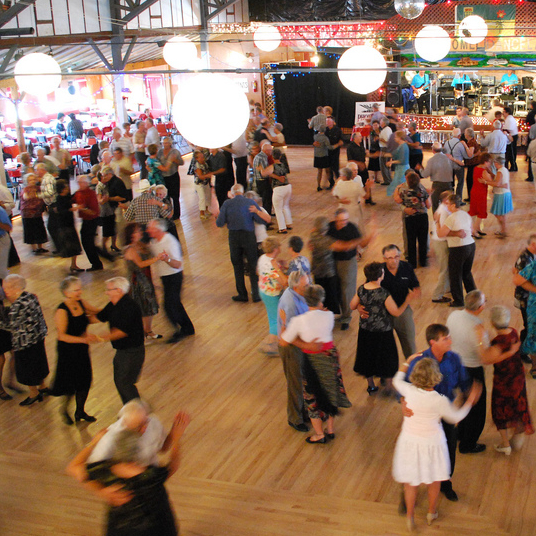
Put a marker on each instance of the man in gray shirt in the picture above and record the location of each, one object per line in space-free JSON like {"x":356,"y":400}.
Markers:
{"x":458,"y":152}
{"x":319,"y":120}
{"x":439,"y":170}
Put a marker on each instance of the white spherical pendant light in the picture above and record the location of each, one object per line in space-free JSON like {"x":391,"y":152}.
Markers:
{"x":362,"y":81}
{"x":180,"y":53}
{"x":473,"y":29}
{"x":409,"y":9}
{"x":210,"y":110}
{"x":42,"y":74}
{"x":432,"y":43}
{"x":267,"y":38}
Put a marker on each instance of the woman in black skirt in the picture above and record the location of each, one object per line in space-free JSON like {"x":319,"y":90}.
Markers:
{"x":376,"y":347}
{"x":69,"y":243}
{"x":28,"y":330}
{"x":73,"y":370}
{"x":31,"y":209}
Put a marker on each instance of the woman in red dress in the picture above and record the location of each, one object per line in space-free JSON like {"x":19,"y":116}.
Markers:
{"x":482,"y":174}
{"x":509,"y":405}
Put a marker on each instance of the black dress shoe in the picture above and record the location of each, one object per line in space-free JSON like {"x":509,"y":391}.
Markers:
{"x":443,"y":299}
{"x":369,"y":202}
{"x":449,"y":493}
{"x":240,"y":298}
{"x":529,"y":180}
{"x":84,"y":417}
{"x":302,"y":427}
{"x":45,"y":392}
{"x":256,"y":299}
{"x":95,"y":269}
{"x":29,"y":401}
{"x":176,"y":337}
{"x":454,"y":304}
{"x":479,"y":447}
{"x":312,"y":442}
{"x":319,"y":189}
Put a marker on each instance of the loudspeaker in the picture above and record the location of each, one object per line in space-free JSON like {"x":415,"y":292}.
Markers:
{"x":527,"y":82}
{"x":393,"y":77}
{"x":393,"y":96}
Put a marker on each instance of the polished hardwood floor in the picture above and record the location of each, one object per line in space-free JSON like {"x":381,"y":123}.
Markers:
{"x":244,"y":470}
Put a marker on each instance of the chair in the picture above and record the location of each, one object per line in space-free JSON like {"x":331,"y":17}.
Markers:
{"x":162,"y":130}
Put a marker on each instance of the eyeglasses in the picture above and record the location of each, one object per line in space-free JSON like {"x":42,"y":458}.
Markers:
{"x":392,"y":258}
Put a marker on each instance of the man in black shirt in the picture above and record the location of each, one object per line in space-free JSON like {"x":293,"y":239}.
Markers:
{"x":334,"y":134}
{"x":348,"y":237}
{"x":126,"y":335}
{"x":399,"y":278}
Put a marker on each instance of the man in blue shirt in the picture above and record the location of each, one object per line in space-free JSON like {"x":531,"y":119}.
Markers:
{"x":454,"y":377}
{"x":291,"y":304}
{"x":509,"y":79}
{"x":420,"y":84}
{"x":239,"y":214}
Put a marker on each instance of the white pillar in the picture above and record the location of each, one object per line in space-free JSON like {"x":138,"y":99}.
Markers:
{"x":119,"y":104}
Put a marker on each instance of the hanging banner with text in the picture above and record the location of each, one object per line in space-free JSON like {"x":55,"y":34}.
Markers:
{"x":364,"y":110}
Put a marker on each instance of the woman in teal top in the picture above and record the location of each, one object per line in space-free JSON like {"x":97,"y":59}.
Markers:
{"x":400,"y":160}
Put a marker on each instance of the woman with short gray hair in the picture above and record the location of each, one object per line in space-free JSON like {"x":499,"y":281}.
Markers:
{"x":509,"y":403}
{"x":26,"y":323}
{"x":323,"y":388}
{"x":73,"y":370}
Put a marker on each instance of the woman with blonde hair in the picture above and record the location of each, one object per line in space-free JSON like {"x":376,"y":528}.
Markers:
{"x":421,"y":454}
{"x":272,"y":282}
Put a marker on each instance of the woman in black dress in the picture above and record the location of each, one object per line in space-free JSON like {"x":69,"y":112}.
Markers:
{"x":376,"y":353}
{"x":148,"y":511}
{"x":73,"y":369}
{"x":69,"y":243}
{"x":31,"y":209}
{"x":26,"y":323}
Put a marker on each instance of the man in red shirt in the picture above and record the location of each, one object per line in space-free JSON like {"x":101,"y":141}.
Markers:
{"x":88,"y":209}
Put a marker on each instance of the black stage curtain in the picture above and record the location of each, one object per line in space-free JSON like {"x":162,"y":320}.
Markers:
{"x":322,"y":10}
{"x":296,"y":99}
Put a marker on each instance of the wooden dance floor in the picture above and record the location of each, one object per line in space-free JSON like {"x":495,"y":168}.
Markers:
{"x":244,"y":471}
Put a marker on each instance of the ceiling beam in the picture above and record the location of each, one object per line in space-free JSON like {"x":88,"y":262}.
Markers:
{"x":8,"y":57}
{"x":100,"y":54}
{"x":73,"y":39}
{"x":221,"y":6}
{"x":14,"y":10}
{"x":134,"y":11}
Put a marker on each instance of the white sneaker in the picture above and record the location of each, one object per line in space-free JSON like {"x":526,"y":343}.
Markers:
{"x":517,"y":441}
{"x":505,"y":450}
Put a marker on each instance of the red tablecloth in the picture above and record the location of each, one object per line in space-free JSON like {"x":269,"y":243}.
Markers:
{"x":365,"y":131}
{"x":80,"y":152}
{"x":14,"y":173}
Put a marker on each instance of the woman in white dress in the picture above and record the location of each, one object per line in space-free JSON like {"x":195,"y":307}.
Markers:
{"x":421,"y":455}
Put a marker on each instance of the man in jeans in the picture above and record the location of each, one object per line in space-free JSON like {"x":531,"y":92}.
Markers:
{"x":458,"y":152}
{"x":385,"y":135}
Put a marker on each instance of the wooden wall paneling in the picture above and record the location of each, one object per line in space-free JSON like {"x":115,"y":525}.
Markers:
{"x":62,"y":13}
{"x":76,"y":16}
{"x":167,"y":13}
{"x":43,"y":10}
{"x":92,"y":17}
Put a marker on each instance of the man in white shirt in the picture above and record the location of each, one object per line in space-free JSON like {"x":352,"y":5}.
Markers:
{"x":152,"y":136}
{"x":441,"y":250}
{"x":385,"y":134}
{"x":471,"y":342}
{"x":496,"y":141}
{"x":124,"y":143}
{"x":63,"y":157}
{"x":239,"y":148}
{"x":510,"y":125}
{"x":169,"y":269}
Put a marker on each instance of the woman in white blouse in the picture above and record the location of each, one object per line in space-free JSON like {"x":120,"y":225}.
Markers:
{"x":323,"y":390}
{"x":421,"y":454}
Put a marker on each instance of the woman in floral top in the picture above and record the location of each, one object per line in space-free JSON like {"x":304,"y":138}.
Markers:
{"x":272,"y":282}
{"x":416,"y":202}
{"x":202,"y":184}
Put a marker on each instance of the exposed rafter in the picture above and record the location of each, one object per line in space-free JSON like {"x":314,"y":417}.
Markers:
{"x":8,"y":57}
{"x":215,"y":7}
{"x":14,"y":10}
{"x":133,"y":8}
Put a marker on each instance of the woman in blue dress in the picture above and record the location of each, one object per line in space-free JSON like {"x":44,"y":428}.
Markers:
{"x":400,"y":160}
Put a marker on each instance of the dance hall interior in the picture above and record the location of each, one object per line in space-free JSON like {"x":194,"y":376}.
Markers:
{"x":204,"y":75}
